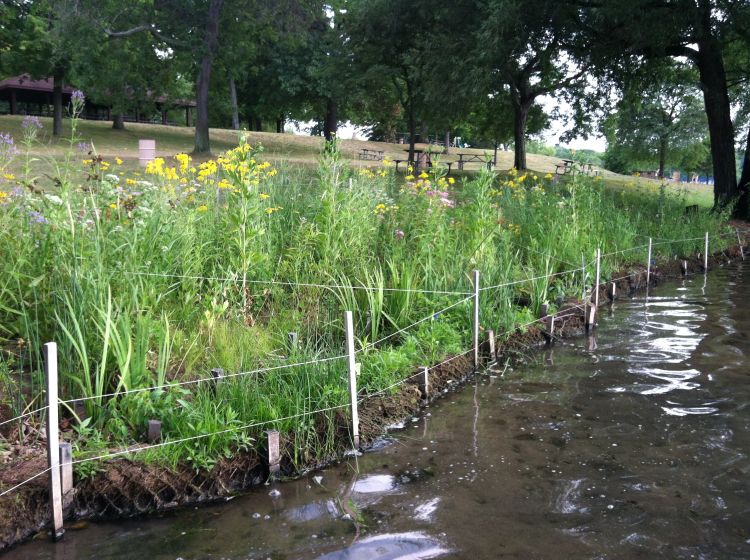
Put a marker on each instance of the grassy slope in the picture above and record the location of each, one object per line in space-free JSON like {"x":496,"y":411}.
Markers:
{"x":301,"y":150}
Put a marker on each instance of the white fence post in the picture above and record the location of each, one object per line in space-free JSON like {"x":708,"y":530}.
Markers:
{"x":476,"y":319}
{"x":648,"y":264}
{"x":53,"y":441}
{"x":352,"y":367}
{"x":598,"y":276}
{"x":705,"y":256}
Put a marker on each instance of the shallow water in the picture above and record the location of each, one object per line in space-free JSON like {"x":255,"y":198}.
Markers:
{"x":632,"y":443}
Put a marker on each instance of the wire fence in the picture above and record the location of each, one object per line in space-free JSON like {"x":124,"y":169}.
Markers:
{"x":356,"y":399}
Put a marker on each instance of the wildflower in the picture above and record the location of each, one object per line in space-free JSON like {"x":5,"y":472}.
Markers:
{"x":78,"y":97}
{"x":130,"y":182}
{"x":451,"y":180}
{"x":548,"y":176}
{"x":83,"y":147}
{"x":184,"y":161}
{"x":424,"y":175}
{"x":113,"y":206}
{"x":409,"y":177}
{"x":264,"y":196}
{"x":399,"y":234}
{"x":54,"y":199}
{"x":202,"y":208}
{"x":31,"y":122}
{"x":118,"y":161}
{"x":271,"y":210}
{"x":8,"y":147}
{"x":9,"y":176}
{"x":37,"y":217}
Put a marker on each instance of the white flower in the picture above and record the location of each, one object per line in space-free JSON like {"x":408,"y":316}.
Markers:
{"x":54,"y":199}
{"x":112,"y":178}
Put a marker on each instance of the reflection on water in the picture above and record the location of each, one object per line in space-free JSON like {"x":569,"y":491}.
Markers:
{"x":633,"y":444}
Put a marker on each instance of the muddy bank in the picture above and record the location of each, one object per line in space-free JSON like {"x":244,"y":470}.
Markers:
{"x":127,"y":488}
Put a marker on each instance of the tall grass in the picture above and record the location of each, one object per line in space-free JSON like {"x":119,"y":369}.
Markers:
{"x":145,"y":279}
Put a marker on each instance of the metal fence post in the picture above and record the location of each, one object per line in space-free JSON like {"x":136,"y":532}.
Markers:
{"x":352,"y":367}
{"x":53,"y":441}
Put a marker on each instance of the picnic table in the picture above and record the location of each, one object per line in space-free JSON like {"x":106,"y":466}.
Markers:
{"x":465,"y":158}
{"x":570,"y":167}
{"x":371,"y":155}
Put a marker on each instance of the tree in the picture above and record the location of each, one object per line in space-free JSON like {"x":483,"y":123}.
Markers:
{"x":660,"y":114}
{"x":528,"y":55}
{"x":702,"y":32}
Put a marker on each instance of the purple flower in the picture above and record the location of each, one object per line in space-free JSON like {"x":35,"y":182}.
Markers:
{"x":84,"y":147}
{"x":31,"y":121}
{"x":77,"y":97}
{"x":7,"y":146}
{"x":37,"y":218}
{"x":398,"y":234}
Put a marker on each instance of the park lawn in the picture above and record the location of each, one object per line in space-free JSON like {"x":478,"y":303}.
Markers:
{"x":290,"y":149}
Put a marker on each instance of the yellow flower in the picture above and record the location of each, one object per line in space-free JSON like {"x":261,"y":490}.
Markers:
{"x":271,"y":210}
{"x":113,"y":206}
{"x":451,"y":180}
{"x":9,"y":176}
{"x":409,"y":177}
{"x":423,"y":175}
{"x":202,"y":208}
{"x":184,"y":161}
{"x":548,"y":176}
{"x":87,"y":161}
{"x":130,"y":182}
{"x":264,"y":196}
{"x":118,"y":161}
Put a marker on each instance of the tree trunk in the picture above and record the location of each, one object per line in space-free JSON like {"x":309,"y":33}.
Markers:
{"x":720,"y":130}
{"x":210,"y":43}
{"x":447,"y":142}
{"x":118,"y":121}
{"x":57,"y":103}
{"x":331,"y":123}
{"x":280,"y":122}
{"x":521,"y":115}
{"x":233,"y":102}
{"x":412,"y":134}
{"x":743,"y":204}
{"x":258,"y":124}
{"x":662,"y":156}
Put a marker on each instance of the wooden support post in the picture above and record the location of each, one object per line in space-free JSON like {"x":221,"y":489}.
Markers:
{"x":491,"y":345}
{"x":475,"y":325}
{"x":154,"y":431}
{"x":218,"y":375}
{"x":684,"y":268}
{"x":352,"y":367}
{"x":705,"y":255}
{"x":66,"y":467}
{"x":598,"y":276}
{"x":424,"y":382}
{"x":739,"y":242}
{"x":612,"y":291}
{"x":53,"y":441}
{"x":274,"y":452}
{"x":552,"y":329}
{"x":648,"y":264}
{"x":293,"y":341}
{"x":591,"y":316}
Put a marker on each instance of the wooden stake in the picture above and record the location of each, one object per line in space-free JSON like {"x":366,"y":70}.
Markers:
{"x":154,"y":431}
{"x":648,"y":264}
{"x":292,"y":340}
{"x":53,"y":441}
{"x":491,"y":345}
{"x":424,"y":382}
{"x":613,"y":291}
{"x":684,"y":268}
{"x":476,"y":319}
{"x":66,"y":467}
{"x":352,"y":367}
{"x":739,"y":242}
{"x":274,"y":452}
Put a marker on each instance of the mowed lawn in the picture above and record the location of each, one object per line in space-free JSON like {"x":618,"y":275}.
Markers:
{"x":278,"y":148}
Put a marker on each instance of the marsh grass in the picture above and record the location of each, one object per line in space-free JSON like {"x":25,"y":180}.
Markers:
{"x":151,"y":279}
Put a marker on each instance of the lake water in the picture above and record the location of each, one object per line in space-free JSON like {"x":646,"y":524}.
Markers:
{"x":632,"y":443}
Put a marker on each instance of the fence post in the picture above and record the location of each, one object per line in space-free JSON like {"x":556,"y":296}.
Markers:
{"x":739,"y":242}
{"x":352,"y":367}
{"x":273,"y":449}
{"x":53,"y":441}
{"x":648,"y":264}
{"x":705,"y":256}
{"x":424,"y":382}
{"x":476,"y":319}
{"x":598,"y":276}
{"x":66,"y":471}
